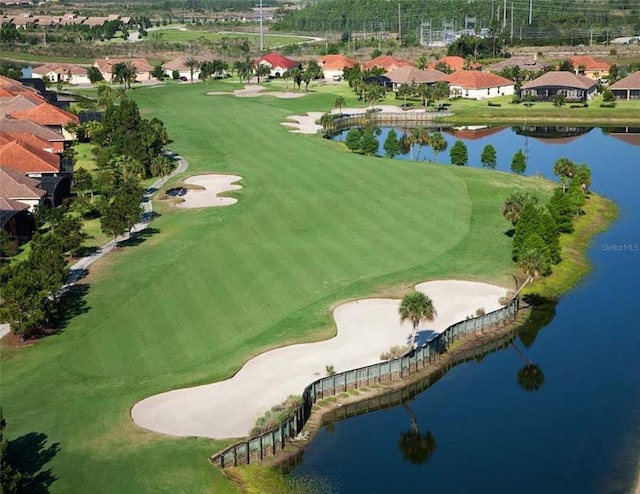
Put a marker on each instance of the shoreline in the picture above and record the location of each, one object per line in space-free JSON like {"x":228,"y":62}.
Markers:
{"x":600,"y":215}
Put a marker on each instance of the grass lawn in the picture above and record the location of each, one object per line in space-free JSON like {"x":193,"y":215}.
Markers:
{"x":84,"y":157}
{"x":17,"y":56}
{"x":174,"y":35}
{"x":210,"y":288}
{"x":471,"y":111}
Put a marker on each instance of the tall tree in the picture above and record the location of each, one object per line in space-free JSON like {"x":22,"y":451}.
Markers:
{"x":459,"y":153}
{"x":339,"y":103}
{"x":488,"y":157}
{"x":416,"y":307}
{"x":534,"y":257}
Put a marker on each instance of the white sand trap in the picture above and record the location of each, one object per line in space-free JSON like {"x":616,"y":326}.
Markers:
{"x":366,"y":328}
{"x":306,"y":124}
{"x":213,"y":184}
{"x":255,"y":90}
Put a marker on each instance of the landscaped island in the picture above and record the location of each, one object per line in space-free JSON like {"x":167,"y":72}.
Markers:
{"x":313,"y":226}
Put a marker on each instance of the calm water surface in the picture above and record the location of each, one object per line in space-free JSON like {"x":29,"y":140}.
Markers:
{"x":580,"y":433}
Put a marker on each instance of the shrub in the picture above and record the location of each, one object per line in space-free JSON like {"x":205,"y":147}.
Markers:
{"x":491,"y":103}
{"x":274,"y":417}
{"x":394,"y":352}
{"x":607,"y":105}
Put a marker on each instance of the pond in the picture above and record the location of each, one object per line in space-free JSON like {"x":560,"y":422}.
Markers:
{"x":579,"y":433}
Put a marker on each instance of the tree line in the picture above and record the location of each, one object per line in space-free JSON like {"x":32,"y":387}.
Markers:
{"x":537,"y":227}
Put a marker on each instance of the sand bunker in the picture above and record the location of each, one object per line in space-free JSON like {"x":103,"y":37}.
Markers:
{"x":255,"y":90}
{"x":207,"y":196}
{"x":306,"y":124}
{"x":366,"y":328}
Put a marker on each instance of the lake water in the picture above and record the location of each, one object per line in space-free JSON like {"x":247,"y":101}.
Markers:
{"x":580,"y":433}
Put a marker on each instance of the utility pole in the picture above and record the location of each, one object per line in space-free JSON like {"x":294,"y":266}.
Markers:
{"x":530,"y":11}
{"x":261,"y":30}
{"x":591,"y":36}
{"x":512,"y":20}
{"x":399,"y":24}
{"x":504,"y":15}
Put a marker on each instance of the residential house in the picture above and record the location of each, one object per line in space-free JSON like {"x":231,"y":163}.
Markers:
{"x":531,"y":64}
{"x":627,"y":88}
{"x":590,"y":67}
{"x":19,"y":195}
{"x":51,"y":117}
{"x":454,"y":63}
{"x":333,"y":66}
{"x":30,"y":159}
{"x":278,"y":64}
{"x":387,"y":63}
{"x":18,"y":103}
{"x":62,"y":72}
{"x":412,"y":75}
{"x":143,"y":68}
{"x":478,"y":85}
{"x":574,"y":87}
{"x":23,"y":129}
{"x":180,"y":64}
{"x":16,"y":186}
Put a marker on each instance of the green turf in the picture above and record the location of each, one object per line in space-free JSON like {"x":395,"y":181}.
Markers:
{"x":471,"y":111}
{"x":210,"y":288}
{"x":174,"y":35}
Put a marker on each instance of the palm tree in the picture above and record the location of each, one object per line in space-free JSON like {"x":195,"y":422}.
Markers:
{"x":339,"y":103}
{"x":417,"y":447}
{"x":192,"y":65}
{"x":416,"y":307}
{"x":262,"y":70}
{"x":565,"y":168}
{"x":374,"y":93}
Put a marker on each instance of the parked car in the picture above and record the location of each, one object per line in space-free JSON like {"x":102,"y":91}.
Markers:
{"x":337,"y":78}
{"x":184,"y":78}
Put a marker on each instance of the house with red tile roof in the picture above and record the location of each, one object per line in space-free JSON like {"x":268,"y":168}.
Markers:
{"x":143,"y":67}
{"x":387,"y":62}
{"x":627,"y":88}
{"x":454,"y":63}
{"x":474,"y":84}
{"x":333,"y":65}
{"x":574,"y":87}
{"x":23,"y":157}
{"x":278,"y":64}
{"x":18,"y":128}
{"x":62,"y":72}
{"x":590,"y":67}
{"x":49,"y":116}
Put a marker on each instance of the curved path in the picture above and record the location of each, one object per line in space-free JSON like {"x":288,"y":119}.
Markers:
{"x":79,"y":269}
{"x":366,"y":328}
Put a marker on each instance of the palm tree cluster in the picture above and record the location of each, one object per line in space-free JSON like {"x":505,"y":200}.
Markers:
{"x":124,"y":73}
